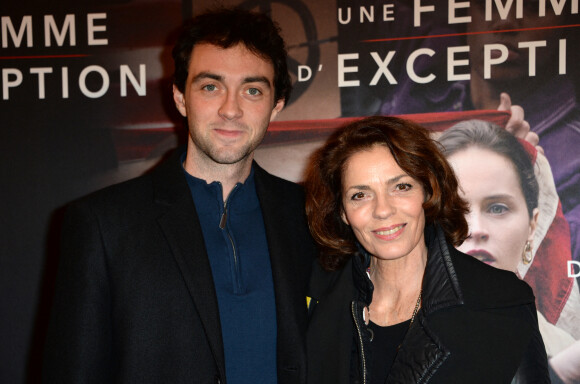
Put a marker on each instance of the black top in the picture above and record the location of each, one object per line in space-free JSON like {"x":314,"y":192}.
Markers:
{"x":384,"y":348}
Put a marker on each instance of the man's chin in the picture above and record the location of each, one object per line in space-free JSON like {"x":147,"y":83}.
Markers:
{"x":229,"y":158}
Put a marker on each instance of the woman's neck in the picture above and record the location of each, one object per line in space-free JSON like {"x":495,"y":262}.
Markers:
{"x":397,"y":285}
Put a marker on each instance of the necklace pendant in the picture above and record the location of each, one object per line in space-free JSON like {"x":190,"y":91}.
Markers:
{"x":366,"y":315}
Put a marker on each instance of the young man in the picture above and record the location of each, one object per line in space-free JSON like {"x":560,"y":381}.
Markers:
{"x":197,"y":271}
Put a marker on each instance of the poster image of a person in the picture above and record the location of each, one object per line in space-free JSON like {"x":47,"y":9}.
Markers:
{"x":519,"y":52}
{"x":512,"y":204}
{"x":530,"y":58}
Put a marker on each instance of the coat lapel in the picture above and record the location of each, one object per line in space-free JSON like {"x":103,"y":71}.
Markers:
{"x":422,"y":353}
{"x":180,"y":225}
{"x":290,"y":305}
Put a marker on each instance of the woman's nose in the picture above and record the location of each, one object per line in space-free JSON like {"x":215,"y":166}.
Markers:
{"x":477,"y":228}
{"x":383,"y":208}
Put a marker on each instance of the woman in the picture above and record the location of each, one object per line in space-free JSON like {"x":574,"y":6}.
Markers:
{"x":392,"y":300}
{"x":510,"y":215}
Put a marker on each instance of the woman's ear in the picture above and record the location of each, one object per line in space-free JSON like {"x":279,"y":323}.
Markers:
{"x":343,"y":217}
{"x":533,"y":224}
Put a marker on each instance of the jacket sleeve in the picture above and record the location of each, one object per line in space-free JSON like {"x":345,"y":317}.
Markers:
{"x":79,"y":340}
{"x":534,"y":365}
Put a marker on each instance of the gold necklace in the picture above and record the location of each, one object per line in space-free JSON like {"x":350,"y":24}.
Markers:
{"x":416,"y":307}
{"x":367,"y":310}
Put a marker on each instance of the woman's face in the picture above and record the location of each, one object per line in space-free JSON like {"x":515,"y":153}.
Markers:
{"x":499,"y":223}
{"x":383,"y":205}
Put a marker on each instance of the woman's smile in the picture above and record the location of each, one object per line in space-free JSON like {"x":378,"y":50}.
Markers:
{"x":390,"y":233}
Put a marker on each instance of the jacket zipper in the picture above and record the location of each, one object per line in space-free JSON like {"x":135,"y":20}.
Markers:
{"x":222,"y":225}
{"x":362,"y":351}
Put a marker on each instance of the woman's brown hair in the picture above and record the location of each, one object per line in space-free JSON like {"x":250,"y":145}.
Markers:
{"x":413,"y":150}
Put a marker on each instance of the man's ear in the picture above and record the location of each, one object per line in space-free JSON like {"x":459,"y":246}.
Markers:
{"x":277,"y":109}
{"x":179,"y":100}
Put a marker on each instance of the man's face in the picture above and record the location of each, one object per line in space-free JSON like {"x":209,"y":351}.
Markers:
{"x":228,"y":102}
{"x":515,"y":30}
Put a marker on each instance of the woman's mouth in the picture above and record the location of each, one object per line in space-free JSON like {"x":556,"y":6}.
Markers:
{"x":482,"y":255}
{"x":389,"y":233}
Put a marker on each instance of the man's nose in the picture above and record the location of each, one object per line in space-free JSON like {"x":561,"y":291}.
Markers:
{"x":230,"y":107}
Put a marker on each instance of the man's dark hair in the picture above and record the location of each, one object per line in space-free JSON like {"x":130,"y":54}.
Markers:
{"x":227,"y":28}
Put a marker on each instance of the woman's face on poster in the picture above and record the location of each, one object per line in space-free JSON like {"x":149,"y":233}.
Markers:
{"x":499,"y":223}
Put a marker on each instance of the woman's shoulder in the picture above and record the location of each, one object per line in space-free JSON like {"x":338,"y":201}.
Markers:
{"x":322,"y":282}
{"x":485,"y":285}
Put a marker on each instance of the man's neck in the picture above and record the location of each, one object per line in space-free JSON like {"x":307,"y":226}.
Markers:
{"x":227,"y":174}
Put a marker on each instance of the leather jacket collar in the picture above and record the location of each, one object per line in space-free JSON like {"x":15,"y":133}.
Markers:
{"x":440,"y":285}
{"x":421,"y":350}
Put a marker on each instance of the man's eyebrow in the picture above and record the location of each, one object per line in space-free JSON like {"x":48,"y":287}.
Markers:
{"x":257,"y":79}
{"x":250,"y":79}
{"x":207,"y":75}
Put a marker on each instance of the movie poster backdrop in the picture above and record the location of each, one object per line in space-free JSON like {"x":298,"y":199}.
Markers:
{"x":86,"y":102}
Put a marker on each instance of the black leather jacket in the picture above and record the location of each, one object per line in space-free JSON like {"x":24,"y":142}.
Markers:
{"x":477,"y":324}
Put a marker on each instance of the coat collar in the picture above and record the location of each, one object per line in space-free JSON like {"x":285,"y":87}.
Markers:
{"x":180,"y":225}
{"x":421,"y":352}
{"x":283,"y":224}
{"x":440,"y":285}
{"x":440,"y":290}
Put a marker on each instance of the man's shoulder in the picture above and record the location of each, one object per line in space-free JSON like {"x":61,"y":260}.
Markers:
{"x":276,"y":186}
{"x":135,"y":191}
{"x":270,"y":178}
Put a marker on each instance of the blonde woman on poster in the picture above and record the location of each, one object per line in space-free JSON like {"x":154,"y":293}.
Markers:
{"x":512,"y":210}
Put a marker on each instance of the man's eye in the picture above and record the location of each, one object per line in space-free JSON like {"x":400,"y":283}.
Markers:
{"x":254,"y":92}
{"x":210,"y":87}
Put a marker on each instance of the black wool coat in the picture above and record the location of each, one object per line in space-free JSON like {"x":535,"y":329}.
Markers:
{"x":135,"y":299}
{"x":477,"y":324}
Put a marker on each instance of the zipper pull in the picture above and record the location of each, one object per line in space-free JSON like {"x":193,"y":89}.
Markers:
{"x":224,"y":218}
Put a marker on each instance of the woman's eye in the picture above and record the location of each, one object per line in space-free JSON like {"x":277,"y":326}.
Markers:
{"x":497,"y":209}
{"x":403,"y":187}
{"x":358,"y":196}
